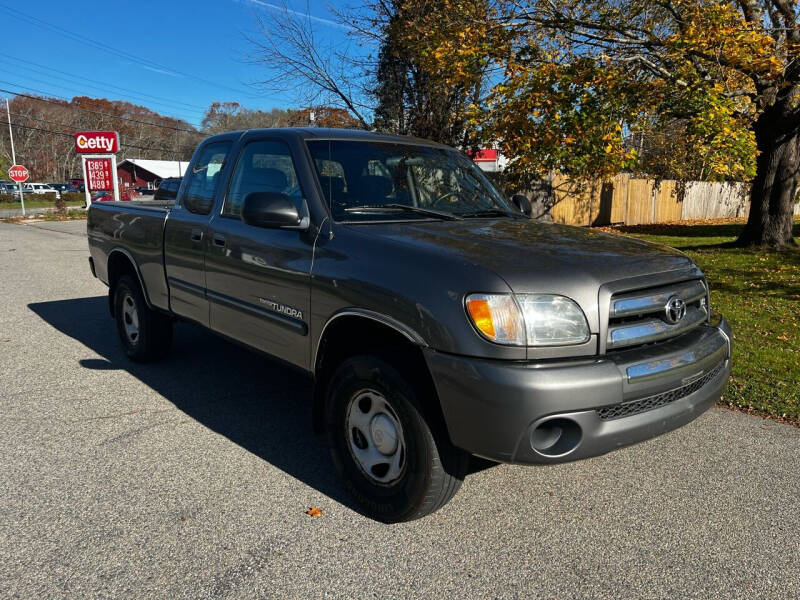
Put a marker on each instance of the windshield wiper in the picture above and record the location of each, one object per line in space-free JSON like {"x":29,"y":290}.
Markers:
{"x":489,"y":212}
{"x":416,"y":209}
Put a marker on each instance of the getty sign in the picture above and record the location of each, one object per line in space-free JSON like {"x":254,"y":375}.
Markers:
{"x":97,"y":142}
{"x":98,"y":150}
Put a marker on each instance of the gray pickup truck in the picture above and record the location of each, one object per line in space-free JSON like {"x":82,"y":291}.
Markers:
{"x":436,"y":318}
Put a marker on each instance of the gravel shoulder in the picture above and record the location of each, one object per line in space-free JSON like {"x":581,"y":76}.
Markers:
{"x":191,"y":478}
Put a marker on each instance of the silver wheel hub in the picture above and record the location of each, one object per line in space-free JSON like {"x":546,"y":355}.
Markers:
{"x":130,"y":318}
{"x":384,"y":434}
{"x":375,"y":437}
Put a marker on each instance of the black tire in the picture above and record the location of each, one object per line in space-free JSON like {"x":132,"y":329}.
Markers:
{"x":433,"y":469}
{"x":153,"y":338}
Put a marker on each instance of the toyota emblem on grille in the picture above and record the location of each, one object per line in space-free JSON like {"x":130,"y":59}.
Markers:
{"x":674,"y":310}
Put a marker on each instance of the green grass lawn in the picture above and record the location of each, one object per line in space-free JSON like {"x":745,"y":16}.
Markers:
{"x":40,"y":202}
{"x":758,"y":291}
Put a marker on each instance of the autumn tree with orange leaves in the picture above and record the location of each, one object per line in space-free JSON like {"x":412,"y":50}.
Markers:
{"x":688,"y":88}
{"x":584,"y":77}
{"x":434,"y":67}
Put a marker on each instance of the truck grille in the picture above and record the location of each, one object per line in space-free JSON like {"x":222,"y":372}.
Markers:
{"x":626,"y":409}
{"x":643,"y":316}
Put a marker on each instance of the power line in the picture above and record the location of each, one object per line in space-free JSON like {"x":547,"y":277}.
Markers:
{"x":86,"y":110}
{"x":69,"y":135}
{"x":164,"y":101}
{"x":18,"y":14}
{"x":71,"y":88}
{"x":68,"y":125}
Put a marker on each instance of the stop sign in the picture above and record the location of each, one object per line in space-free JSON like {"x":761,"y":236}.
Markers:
{"x":18,"y":173}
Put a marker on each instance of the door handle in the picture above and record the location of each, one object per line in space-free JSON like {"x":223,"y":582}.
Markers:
{"x":219,"y":240}
{"x":197,"y":235}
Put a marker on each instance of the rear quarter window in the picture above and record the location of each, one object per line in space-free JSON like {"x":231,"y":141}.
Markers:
{"x":203,"y":178}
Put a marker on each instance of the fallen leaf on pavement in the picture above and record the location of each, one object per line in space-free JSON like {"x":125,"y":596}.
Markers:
{"x":314,"y":512}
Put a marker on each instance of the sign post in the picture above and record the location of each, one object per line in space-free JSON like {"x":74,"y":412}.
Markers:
{"x":19,"y":174}
{"x":14,"y":160}
{"x":99,"y":161}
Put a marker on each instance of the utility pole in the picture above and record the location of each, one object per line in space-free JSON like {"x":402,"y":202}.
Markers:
{"x":14,"y":155}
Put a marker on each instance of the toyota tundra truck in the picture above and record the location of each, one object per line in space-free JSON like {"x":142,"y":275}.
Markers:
{"x":436,"y":318}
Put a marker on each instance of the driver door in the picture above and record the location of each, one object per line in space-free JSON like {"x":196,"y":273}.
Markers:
{"x":258,"y":279}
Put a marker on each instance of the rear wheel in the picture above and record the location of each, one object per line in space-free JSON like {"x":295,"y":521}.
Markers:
{"x":145,"y":334}
{"x":397,"y":467}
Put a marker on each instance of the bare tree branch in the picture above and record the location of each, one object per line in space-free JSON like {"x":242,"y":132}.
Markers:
{"x":296,"y":61}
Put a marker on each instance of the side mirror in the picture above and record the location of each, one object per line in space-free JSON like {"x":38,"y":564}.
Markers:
{"x":522,"y":203}
{"x":272,"y":210}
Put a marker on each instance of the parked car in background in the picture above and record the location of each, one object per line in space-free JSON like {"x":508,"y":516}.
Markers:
{"x":12,"y":189}
{"x":168,"y":189}
{"x":42,"y":188}
{"x":144,"y":191}
{"x":65,"y":188}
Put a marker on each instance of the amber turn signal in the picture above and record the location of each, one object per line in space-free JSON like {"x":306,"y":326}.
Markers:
{"x":497,"y":317}
{"x":481,"y":315}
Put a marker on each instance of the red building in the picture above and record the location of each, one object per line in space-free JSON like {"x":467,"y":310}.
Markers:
{"x":140,"y":172}
{"x":489,"y":159}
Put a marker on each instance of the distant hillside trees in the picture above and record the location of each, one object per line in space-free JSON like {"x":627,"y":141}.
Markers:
{"x":44,"y":130}
{"x":229,"y":116}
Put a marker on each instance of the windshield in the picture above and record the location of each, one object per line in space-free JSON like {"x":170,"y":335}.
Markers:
{"x":368,"y":181}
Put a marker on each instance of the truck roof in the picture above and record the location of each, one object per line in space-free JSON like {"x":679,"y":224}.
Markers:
{"x":331,"y":133}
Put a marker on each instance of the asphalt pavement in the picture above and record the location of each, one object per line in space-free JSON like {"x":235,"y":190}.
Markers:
{"x":191,"y":478}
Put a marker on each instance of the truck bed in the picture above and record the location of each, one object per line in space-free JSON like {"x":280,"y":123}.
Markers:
{"x":138,"y":228}
{"x":153,"y":204}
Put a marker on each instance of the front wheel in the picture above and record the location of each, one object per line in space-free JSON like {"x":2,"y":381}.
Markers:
{"x":396,"y":466}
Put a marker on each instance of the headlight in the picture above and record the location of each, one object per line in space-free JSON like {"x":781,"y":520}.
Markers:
{"x":553,"y":320}
{"x":528,"y":319}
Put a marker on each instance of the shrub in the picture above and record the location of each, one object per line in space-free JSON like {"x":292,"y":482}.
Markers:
{"x":73,"y":196}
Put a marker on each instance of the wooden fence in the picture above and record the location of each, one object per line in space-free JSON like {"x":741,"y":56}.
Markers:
{"x":639,"y":201}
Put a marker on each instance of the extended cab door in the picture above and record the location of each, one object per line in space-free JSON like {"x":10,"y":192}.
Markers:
{"x":186,"y":232}
{"x":258,"y":279}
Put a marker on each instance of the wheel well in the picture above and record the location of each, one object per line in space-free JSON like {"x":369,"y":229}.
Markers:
{"x":352,"y":335}
{"x":119,"y":264}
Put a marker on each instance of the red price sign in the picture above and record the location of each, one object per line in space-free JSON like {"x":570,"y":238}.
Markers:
{"x":99,"y":174}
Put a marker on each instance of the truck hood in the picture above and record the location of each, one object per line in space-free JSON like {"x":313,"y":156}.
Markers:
{"x":535,"y":257}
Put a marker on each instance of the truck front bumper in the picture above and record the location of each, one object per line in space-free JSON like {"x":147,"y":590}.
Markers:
{"x":558,"y":411}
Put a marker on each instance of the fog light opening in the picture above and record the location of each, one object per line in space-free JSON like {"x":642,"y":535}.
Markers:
{"x":556,"y":437}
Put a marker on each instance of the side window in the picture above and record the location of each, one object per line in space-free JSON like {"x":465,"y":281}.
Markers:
{"x":204,"y":178}
{"x":332,"y":179}
{"x":263,"y":166}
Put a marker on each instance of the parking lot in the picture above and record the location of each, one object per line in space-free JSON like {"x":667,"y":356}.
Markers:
{"x":191,"y":479}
